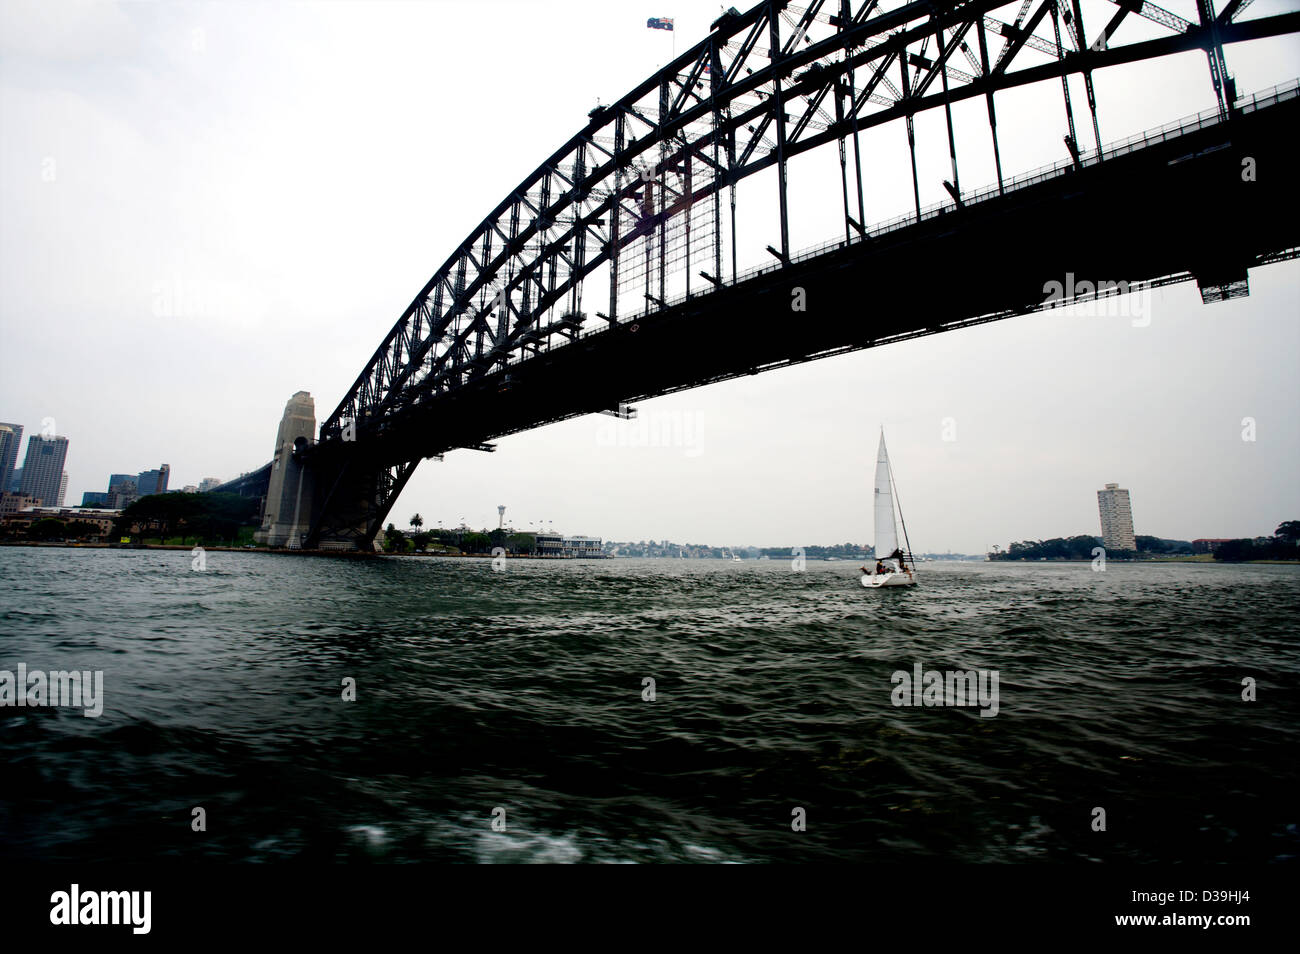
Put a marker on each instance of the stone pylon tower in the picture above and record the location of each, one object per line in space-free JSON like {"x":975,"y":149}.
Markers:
{"x":286,"y":513}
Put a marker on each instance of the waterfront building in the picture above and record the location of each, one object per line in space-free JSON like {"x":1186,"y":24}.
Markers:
{"x":20,"y":521}
{"x":584,"y":548}
{"x":43,"y":467}
{"x":208,"y":483}
{"x":11,"y":437}
{"x":12,"y":503}
{"x":94,"y":498}
{"x":550,"y":544}
{"x":1116,"y":518}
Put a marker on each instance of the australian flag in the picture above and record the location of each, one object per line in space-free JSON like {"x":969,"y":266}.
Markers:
{"x":660,"y":23}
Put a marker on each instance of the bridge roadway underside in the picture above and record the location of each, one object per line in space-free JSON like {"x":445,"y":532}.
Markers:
{"x":1168,"y":208}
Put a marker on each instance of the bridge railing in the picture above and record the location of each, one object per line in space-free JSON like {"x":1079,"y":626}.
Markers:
{"x":1170,"y":130}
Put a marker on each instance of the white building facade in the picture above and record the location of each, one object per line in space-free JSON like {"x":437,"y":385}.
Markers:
{"x":1116,"y":518}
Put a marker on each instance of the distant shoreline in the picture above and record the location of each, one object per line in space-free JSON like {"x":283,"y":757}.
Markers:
{"x":366,"y":554}
{"x":283,"y":551}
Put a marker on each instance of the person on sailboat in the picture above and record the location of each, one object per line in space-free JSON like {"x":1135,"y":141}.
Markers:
{"x":898,"y":555}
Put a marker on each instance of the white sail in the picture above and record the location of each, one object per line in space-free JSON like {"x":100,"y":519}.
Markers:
{"x":886,"y":529}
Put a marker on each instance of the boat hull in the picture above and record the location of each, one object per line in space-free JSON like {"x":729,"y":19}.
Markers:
{"x":875,"y":581}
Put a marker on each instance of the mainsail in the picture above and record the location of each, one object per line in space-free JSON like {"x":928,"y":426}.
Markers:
{"x":886,"y":529}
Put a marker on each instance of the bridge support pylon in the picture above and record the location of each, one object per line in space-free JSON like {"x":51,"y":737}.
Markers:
{"x":287,"y":510}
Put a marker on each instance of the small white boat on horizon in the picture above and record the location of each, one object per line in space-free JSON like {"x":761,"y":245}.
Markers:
{"x":898,"y":568}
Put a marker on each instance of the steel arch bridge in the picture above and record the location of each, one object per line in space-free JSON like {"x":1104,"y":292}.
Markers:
{"x":637,"y":205}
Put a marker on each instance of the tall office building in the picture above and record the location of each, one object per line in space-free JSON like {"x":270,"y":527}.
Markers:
{"x":11,"y":436}
{"x":122,"y":494}
{"x":16,"y":484}
{"x":43,"y":468}
{"x":63,"y":488}
{"x":1116,"y":518}
{"x":146,"y":482}
{"x":115,"y":481}
{"x":153,"y":481}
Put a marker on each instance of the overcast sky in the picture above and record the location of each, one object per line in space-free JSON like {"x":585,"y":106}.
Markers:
{"x":207,"y":207}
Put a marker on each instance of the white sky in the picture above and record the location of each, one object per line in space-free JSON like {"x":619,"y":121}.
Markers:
{"x":207,"y":207}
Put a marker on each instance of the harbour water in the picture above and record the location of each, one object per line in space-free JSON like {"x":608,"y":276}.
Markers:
{"x":525,"y":691}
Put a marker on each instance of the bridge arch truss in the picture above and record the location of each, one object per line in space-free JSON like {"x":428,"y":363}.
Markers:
{"x":644,"y":181}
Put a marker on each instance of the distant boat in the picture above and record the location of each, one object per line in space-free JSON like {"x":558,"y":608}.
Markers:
{"x":893,"y":568}
{"x":735,"y":559}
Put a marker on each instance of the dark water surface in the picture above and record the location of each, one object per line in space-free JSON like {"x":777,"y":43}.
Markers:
{"x":523,"y":690}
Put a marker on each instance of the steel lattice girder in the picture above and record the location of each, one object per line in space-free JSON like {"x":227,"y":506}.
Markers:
{"x":530,"y":252}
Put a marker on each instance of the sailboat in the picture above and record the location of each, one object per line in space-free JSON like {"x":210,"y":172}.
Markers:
{"x":894,"y":566}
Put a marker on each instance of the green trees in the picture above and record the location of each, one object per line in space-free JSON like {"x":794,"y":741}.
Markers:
{"x":206,"y":518}
{"x":394,"y":540}
{"x":80,"y":529}
{"x":476,"y":543}
{"x":521,"y":542}
{"x":47,"y":528}
{"x":1078,"y":547}
{"x":52,"y":528}
{"x":1157,"y":545}
{"x":1281,"y":546}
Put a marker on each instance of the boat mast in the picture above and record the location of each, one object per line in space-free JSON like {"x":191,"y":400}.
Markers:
{"x":899,"y":504}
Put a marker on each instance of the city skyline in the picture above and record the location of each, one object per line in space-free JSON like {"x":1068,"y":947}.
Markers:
{"x":160,"y":478}
{"x":1052,"y":405}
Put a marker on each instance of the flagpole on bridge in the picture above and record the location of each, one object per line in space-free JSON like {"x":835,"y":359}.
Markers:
{"x":669,"y":24}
